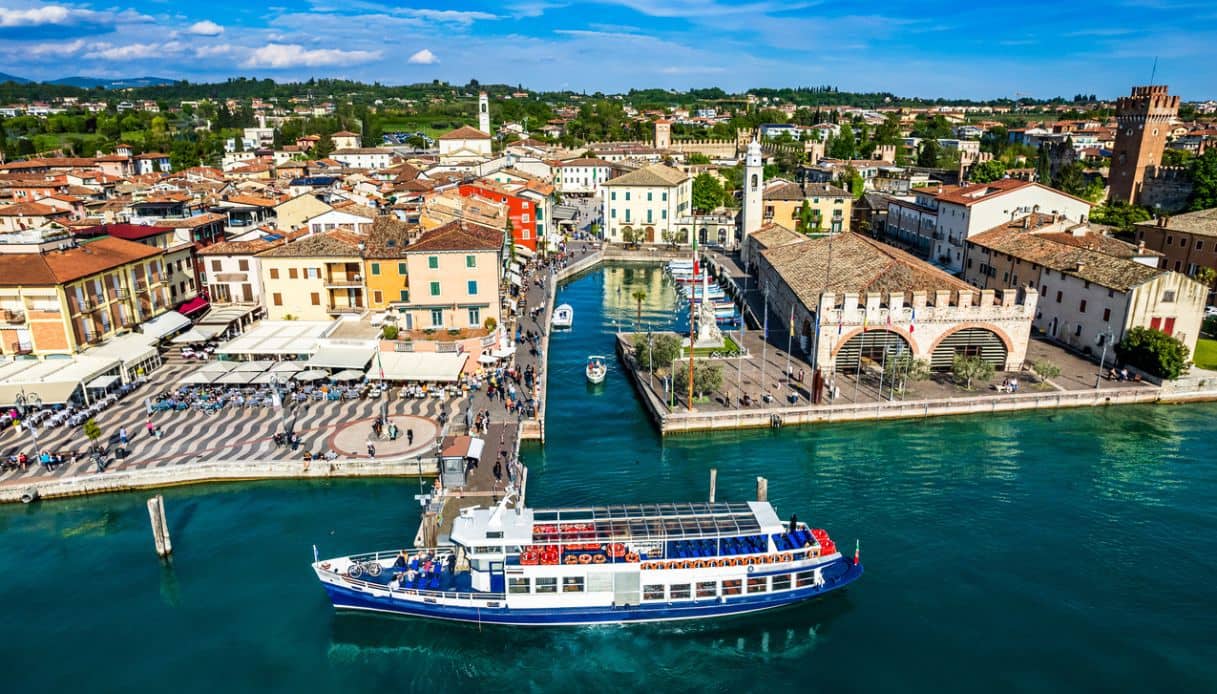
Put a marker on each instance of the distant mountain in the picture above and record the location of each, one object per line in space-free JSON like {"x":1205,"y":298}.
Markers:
{"x":4,"y":77}
{"x":124,"y":83}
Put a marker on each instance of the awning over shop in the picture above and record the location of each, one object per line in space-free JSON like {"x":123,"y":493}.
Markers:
{"x":195,"y":305}
{"x":342,"y":357}
{"x":237,"y":377}
{"x":130,"y":349}
{"x":347,"y":375}
{"x":504,"y":352}
{"x":53,"y":380}
{"x":165,"y":324}
{"x":102,"y":382}
{"x":525,"y":251}
{"x":310,"y":375}
{"x":514,"y":277}
{"x":420,"y":366}
{"x":199,"y":333}
{"x":199,"y":377}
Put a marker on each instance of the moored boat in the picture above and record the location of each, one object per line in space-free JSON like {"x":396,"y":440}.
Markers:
{"x":597,"y":565}
{"x":564,"y":316}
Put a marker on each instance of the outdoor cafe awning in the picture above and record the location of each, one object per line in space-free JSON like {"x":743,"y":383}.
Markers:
{"x":335,"y":357}
{"x":514,"y":277}
{"x":442,"y":367}
{"x":167,"y":323}
{"x":199,"y":333}
{"x":102,"y":382}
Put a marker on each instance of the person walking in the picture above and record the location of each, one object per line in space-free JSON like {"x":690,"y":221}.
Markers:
{"x":371,"y":450}
{"x":122,"y":436}
{"x":410,"y":436}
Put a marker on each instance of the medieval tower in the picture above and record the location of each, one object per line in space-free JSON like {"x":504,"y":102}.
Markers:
{"x":484,"y":113}
{"x":1143,"y":119}
{"x":663,"y":134}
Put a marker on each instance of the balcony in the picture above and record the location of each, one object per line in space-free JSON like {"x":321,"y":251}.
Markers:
{"x":119,"y":294}
{"x":12,"y":316}
{"x":141,"y":286}
{"x":88,"y":305}
{"x":345,"y":309}
{"x":339,"y":281}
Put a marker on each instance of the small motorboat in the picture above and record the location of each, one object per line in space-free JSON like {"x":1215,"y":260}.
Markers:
{"x":564,"y":316}
{"x":597,"y":368}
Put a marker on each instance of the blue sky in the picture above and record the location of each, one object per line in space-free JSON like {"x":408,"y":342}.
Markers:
{"x":913,"y":48}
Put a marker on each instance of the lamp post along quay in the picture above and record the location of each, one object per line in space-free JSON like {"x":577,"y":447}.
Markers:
{"x":1098,"y":379}
{"x":26,"y":405}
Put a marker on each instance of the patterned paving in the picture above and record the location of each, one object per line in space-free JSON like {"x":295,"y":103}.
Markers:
{"x":193,"y":435}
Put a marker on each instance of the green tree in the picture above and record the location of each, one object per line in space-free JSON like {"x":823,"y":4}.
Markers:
{"x":929,"y":154}
{"x":708,"y":192}
{"x":707,"y":378}
{"x":904,"y":369}
{"x":807,"y":219}
{"x":1204,"y":181}
{"x":389,"y":331}
{"x":1206,"y":276}
{"x":843,"y":146}
{"x":1153,"y":351}
{"x":1119,"y":215}
{"x":1043,"y":167}
{"x":638,"y":296}
{"x":852,"y":182}
{"x":661,"y":349}
{"x":696,"y":158}
{"x":1045,"y":370}
{"x":1176,"y":157}
{"x":324,"y":147}
{"x":968,"y":369}
{"x":987,"y":171}
{"x":92,"y":431}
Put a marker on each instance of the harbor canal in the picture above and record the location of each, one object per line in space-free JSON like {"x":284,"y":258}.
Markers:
{"x":1057,"y":551}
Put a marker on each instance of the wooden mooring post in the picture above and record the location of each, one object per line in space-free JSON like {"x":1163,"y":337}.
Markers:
{"x":762,"y":489}
{"x":713,"y":483}
{"x":160,"y":527}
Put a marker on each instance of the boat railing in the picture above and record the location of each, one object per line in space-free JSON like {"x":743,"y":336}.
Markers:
{"x":447,"y":594}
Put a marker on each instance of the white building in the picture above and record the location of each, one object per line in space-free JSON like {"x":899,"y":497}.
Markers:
{"x":364,"y":157}
{"x":360,"y":223}
{"x":344,"y":139}
{"x":465,"y":144}
{"x":152,"y":162}
{"x":752,"y":210}
{"x":582,"y":176}
{"x":646,"y":202}
{"x":483,"y":113}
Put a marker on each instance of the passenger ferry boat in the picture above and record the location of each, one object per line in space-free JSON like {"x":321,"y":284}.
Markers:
{"x":607,"y":564}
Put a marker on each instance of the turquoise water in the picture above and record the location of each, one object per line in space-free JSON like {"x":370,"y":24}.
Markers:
{"x":1058,"y":551}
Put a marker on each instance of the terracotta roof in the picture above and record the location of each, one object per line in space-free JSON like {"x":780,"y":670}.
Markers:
{"x":465,"y":132}
{"x":345,"y":133}
{"x":1093,"y":266}
{"x":859,"y":264}
{"x":57,"y":267}
{"x":585,"y":161}
{"x":329,"y":244}
{"x":793,"y":191}
{"x":458,"y":236}
{"x":239,"y":247}
{"x":1200,"y":223}
{"x":130,"y":232}
{"x":653,"y":175}
{"x":194,"y":222}
{"x":252,"y":200}
{"x":29,"y":209}
{"x":388,"y":238}
{"x":774,"y":235}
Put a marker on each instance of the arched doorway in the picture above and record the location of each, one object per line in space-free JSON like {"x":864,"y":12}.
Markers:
{"x":871,"y":345}
{"x":805,"y":336}
{"x":703,"y":236}
{"x":650,"y":234}
{"x":969,"y":342}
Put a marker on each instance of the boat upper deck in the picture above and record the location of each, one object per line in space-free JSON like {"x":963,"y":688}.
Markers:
{"x":620,"y":523}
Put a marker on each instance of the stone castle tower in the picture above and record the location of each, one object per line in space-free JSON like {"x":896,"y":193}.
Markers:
{"x":754,"y":186}
{"x":484,"y":113}
{"x":663,"y":134}
{"x":1144,"y":120}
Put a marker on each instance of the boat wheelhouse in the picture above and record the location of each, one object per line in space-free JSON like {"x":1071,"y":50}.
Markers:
{"x":606,"y":564}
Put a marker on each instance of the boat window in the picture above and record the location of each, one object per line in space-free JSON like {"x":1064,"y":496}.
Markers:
{"x":707,"y":589}
{"x":547,"y":585}
{"x":679,"y":591}
{"x":487,"y":550}
{"x":781,"y":582}
{"x":518,"y":585}
{"x":733,"y":587}
{"x":757,"y":585}
{"x":494,"y":534}
{"x":805,"y":578}
{"x":653,"y":591}
{"x":572,"y":584}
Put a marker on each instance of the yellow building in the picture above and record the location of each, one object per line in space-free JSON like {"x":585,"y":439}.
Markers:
{"x":830,"y":206}
{"x":385,"y":268}
{"x":314,"y":278}
{"x":292,"y":214}
{"x":55,"y":301}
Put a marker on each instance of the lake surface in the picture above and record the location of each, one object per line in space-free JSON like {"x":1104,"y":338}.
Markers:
{"x":1056,"y":551}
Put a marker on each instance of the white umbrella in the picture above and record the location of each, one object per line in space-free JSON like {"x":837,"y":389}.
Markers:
{"x":310,"y":375}
{"x":254,"y":366}
{"x":347,"y":375}
{"x":286,"y":367}
{"x":217,"y":367}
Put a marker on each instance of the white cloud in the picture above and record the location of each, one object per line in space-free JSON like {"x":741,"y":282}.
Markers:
{"x":450,"y":16}
{"x":423,"y":57}
{"x":56,"y":49}
{"x":138,"y":51}
{"x":35,"y":16}
{"x":205,"y":28}
{"x":286,"y":55}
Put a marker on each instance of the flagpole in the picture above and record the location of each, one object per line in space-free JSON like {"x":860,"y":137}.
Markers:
{"x":861,"y":344}
{"x":765,"y":343}
{"x":789,"y":346}
{"x":692,"y":330}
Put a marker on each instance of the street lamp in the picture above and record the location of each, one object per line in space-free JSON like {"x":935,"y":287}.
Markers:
{"x":28,"y":404}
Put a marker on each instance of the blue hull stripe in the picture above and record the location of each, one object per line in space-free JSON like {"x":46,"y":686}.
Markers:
{"x":346,"y":598}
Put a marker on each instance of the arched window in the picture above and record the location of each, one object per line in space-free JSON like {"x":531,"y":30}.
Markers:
{"x":754,"y":181}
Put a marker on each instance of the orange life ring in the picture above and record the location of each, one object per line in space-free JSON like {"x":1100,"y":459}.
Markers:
{"x":325,"y":566}
{"x":585,"y":558}
{"x":572,"y":559}
{"x":720,"y":562}
{"x":733,"y":562}
{"x":769,"y":558}
{"x":599,"y":559}
{"x":631,"y":557}
{"x":686,"y":565}
{"x":786,"y":557}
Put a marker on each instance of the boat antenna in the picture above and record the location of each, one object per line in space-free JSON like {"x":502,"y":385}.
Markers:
{"x":496,"y":517}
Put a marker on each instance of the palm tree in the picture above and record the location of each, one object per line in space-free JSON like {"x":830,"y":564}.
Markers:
{"x":639,"y":296}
